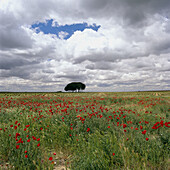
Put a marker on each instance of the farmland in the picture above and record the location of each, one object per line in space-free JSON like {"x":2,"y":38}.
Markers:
{"x":125,"y":130}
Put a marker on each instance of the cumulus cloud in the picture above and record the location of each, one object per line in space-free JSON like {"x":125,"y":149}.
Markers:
{"x":130,"y":51}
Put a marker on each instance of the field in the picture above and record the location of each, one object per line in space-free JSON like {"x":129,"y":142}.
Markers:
{"x":128,"y":130}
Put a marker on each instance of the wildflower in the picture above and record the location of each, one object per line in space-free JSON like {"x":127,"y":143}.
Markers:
{"x":166,"y":124}
{"x":50,"y":158}
{"x":17,"y":134}
{"x":113,"y":154}
{"x":124,"y":125}
{"x":26,"y":151}
{"x":26,"y":156}
{"x":28,"y":140}
{"x":17,"y":146}
{"x":108,"y":126}
{"x":155,"y":125}
{"x":54,"y":153}
{"x":38,"y":145}
{"x":147,"y":139}
{"x":144,"y":132}
{"x":38,"y":139}
{"x":11,"y":125}
{"x":88,"y":129}
{"x":27,"y":126}
{"x":34,"y":138}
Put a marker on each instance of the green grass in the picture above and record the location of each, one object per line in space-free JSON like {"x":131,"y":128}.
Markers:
{"x":85,"y":130}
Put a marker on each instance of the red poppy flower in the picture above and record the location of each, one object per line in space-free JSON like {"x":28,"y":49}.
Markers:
{"x":124,"y":125}
{"x":17,"y":146}
{"x":155,"y":125}
{"x":27,"y":126}
{"x":144,"y":132}
{"x":108,"y":126}
{"x":54,"y":153}
{"x":50,"y":158}
{"x":147,"y":139}
{"x":38,"y":145}
{"x":38,"y":139}
{"x":26,"y":151}
{"x":34,"y":138}
{"x":113,"y":154}
{"x":88,"y":129}
{"x":26,"y":156}
{"x":167,"y":123}
{"x":28,"y":140}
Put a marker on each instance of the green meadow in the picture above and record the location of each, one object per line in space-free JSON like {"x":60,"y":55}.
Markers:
{"x":86,"y":131}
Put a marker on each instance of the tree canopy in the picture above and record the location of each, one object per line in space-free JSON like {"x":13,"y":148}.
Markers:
{"x":75,"y":86}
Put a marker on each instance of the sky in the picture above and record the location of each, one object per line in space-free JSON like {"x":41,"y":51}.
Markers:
{"x":109,"y":45}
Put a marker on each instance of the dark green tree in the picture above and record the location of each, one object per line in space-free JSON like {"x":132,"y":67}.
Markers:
{"x":75,"y":86}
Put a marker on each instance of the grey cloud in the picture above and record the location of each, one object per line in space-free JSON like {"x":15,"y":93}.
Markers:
{"x":104,"y":85}
{"x":129,"y":12}
{"x":72,"y":77}
{"x":100,"y":65}
{"x":24,"y":74}
{"x":97,"y":57}
{"x":8,"y":62}
{"x":11,"y":33}
{"x":48,"y":71}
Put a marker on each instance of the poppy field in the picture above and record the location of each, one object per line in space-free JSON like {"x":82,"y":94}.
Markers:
{"x":125,"y":130}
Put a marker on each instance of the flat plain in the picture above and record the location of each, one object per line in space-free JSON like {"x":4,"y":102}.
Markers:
{"x":106,"y":130}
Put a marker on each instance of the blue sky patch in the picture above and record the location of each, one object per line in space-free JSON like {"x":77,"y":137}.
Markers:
{"x":66,"y":31}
